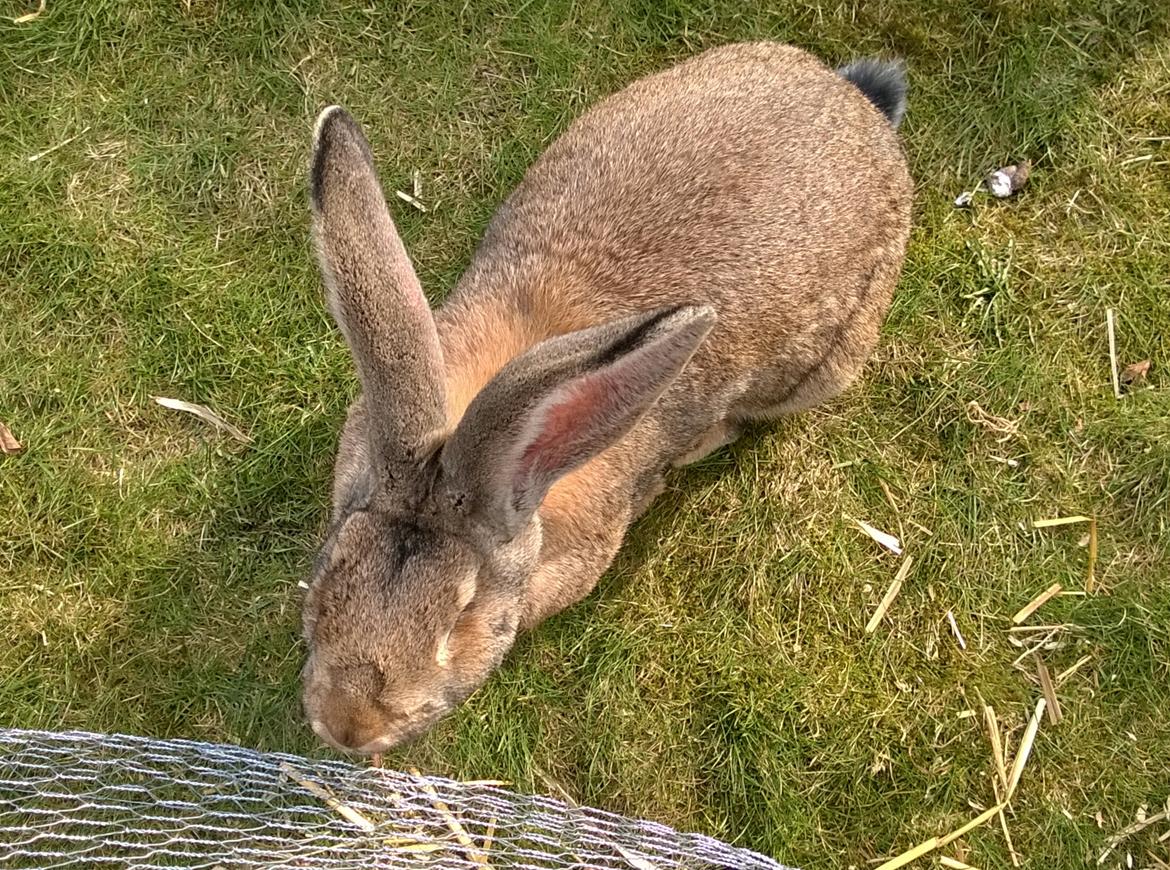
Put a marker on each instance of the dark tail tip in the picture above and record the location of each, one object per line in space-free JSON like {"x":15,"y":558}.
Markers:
{"x":883,"y":82}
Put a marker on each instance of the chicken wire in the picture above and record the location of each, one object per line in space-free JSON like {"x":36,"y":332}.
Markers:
{"x":75,"y":799}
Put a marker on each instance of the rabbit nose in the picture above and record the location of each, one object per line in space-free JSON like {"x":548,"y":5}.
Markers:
{"x":338,"y":730}
{"x":348,"y":730}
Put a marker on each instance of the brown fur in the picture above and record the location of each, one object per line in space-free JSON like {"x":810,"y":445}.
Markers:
{"x":751,"y":180}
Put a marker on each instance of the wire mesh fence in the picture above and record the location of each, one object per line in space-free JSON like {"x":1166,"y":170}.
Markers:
{"x":75,"y":799}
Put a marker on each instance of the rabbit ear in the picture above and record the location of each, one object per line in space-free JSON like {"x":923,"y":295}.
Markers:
{"x":376,"y":299}
{"x":559,"y":405}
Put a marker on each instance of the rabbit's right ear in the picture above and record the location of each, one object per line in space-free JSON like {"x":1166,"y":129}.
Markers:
{"x":376,"y":299}
{"x":560,"y":404}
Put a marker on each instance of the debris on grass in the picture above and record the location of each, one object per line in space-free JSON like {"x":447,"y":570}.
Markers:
{"x":1135,"y":373}
{"x":1003,"y":826}
{"x":635,"y":861}
{"x":488,"y":837}
{"x":319,"y":791}
{"x":1036,"y":603}
{"x":890,"y":595}
{"x":1059,"y":521}
{"x":928,"y":846}
{"x":887,"y":540}
{"x":996,"y":744}
{"x":893,"y":506}
{"x":980,"y":819}
{"x":964,"y":199}
{"x":921,"y":528}
{"x":1049,"y":690}
{"x":1090,"y":570}
{"x":1025,"y":749}
{"x":205,"y":414}
{"x":1125,"y":833}
{"x":407,"y":198}
{"x":1069,"y":671}
{"x":1007,"y":180}
{"x":474,"y":855}
{"x":1002,"y":427}
{"x":1113,"y":353}
{"x":8,"y":443}
{"x":955,"y":630}
{"x":33,"y":158}
{"x":954,"y":863}
{"x":923,"y":848}
{"x":1032,"y":646}
{"x":30,"y":16}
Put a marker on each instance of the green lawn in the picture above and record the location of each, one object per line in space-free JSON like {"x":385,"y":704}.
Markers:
{"x":721,"y":679}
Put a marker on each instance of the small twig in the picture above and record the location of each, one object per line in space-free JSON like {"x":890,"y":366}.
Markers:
{"x":928,"y":846}
{"x":406,"y":197}
{"x":1069,"y":671}
{"x":324,"y":794}
{"x":897,"y":514}
{"x":1113,"y":354}
{"x":890,"y":595}
{"x":1025,"y":749}
{"x":923,"y":848}
{"x":1049,"y":690}
{"x":980,"y":819}
{"x":30,"y":16}
{"x":1090,"y":576}
{"x":1125,"y":833}
{"x":635,"y":861}
{"x":1036,"y":603}
{"x":955,"y":630}
{"x":488,"y":836}
{"x":473,"y":854}
{"x":1036,"y":629}
{"x":996,"y":744}
{"x":1046,"y":642}
{"x":1007,"y":835}
{"x":954,"y":863}
{"x":921,"y":528}
{"x":35,"y":157}
{"x":1059,"y":521}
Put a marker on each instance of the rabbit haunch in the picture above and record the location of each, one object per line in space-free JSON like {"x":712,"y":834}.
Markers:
{"x":715,"y":244}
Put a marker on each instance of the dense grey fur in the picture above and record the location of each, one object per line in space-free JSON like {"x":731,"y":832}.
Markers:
{"x":715,"y":244}
{"x":883,"y":82}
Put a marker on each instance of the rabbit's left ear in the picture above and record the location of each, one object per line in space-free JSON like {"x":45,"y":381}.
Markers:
{"x":557,"y":406}
{"x":377,"y":301}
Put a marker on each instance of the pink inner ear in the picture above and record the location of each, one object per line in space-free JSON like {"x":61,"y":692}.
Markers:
{"x":566,"y":425}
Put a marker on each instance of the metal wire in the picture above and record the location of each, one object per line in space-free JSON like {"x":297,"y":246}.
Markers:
{"x":75,"y":799}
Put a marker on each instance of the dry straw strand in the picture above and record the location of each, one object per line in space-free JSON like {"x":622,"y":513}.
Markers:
{"x":890,"y":595}
{"x":1036,"y":603}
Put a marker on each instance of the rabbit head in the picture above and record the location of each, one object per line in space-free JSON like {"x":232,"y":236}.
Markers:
{"x":419,"y":589}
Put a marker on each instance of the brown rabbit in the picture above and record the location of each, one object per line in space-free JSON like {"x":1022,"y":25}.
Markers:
{"x":715,"y":244}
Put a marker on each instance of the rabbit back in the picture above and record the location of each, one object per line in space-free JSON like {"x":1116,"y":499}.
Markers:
{"x":752,"y":178}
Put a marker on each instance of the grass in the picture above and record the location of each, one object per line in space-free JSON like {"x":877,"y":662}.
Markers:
{"x":720,"y":679}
